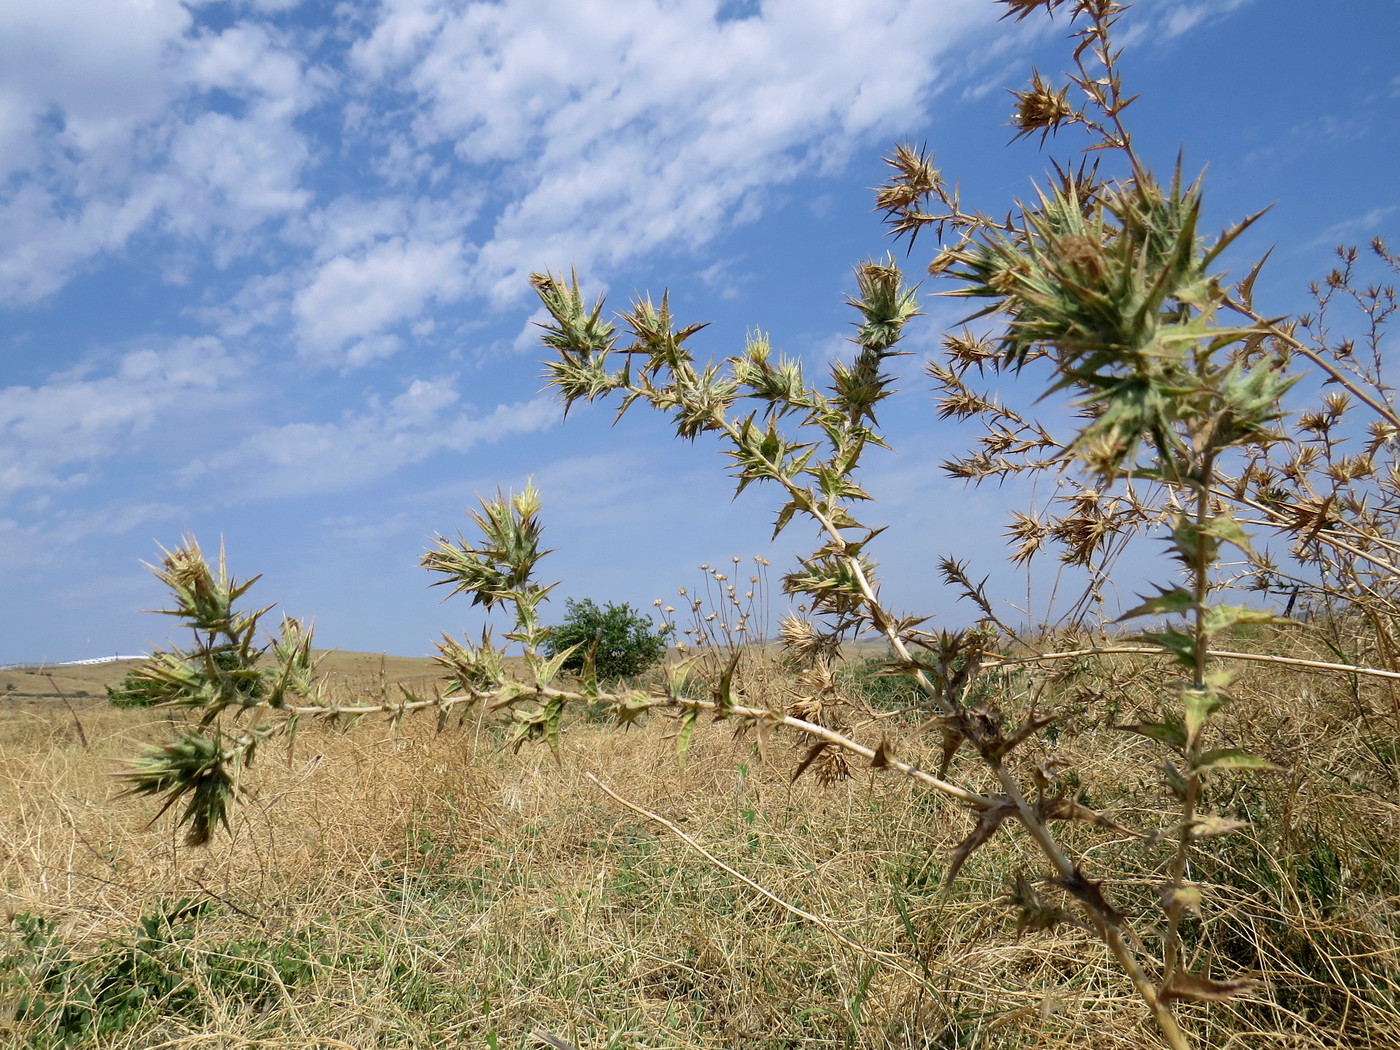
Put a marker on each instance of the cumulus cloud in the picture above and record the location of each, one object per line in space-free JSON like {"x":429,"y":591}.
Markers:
{"x":54,"y":435}
{"x":106,"y":131}
{"x":91,"y":71}
{"x":353,"y":299}
{"x":593,"y":130}
{"x":626,"y":126}
{"x":427,"y":418}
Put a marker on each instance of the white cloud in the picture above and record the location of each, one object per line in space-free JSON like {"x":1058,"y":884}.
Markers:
{"x":1173,"y":18}
{"x":631,"y":126}
{"x":97,"y":69}
{"x":596,"y":130}
{"x":352,"y":300}
{"x":52,"y":435}
{"x":1188,"y":16}
{"x":44,"y":242}
{"x":234,"y":173}
{"x":261,"y":302}
{"x":1359,"y":228}
{"x":97,"y":144}
{"x":246,"y":60}
{"x":79,"y":83}
{"x":427,"y":418}
{"x":349,"y":530}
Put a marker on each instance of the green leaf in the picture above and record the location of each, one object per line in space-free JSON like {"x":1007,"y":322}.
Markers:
{"x":1176,"y":783}
{"x":588,"y":676}
{"x":1172,"y":602}
{"x":784,"y":517}
{"x":629,"y":708}
{"x":1170,"y":732}
{"x":1199,"y":705}
{"x":1221,"y":617}
{"x":724,"y":688}
{"x":1223,"y":526}
{"x":553,"y":713}
{"x":1232,"y":758}
{"x":624,"y":641}
{"x":509,"y":691}
{"x":1194,"y":544}
{"x":545,"y":671}
{"x":689,"y":717}
{"x":1178,"y":643}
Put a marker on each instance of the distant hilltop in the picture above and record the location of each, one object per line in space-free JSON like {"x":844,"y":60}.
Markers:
{"x":70,"y":663}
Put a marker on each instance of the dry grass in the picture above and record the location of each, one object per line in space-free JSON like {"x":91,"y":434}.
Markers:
{"x":356,"y":673}
{"x":431,"y":890}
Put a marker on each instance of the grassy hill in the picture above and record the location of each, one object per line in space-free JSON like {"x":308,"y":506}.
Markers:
{"x":359,"y":673}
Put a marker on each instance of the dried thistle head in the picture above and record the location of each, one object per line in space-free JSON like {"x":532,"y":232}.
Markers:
{"x":1028,"y":534}
{"x":915,"y":178}
{"x":801,"y":638}
{"x":832,"y":767}
{"x":965,"y":350}
{"x":1021,"y":9}
{"x":1033,"y":911}
{"x":903,"y":195}
{"x":807,"y":708}
{"x":1082,"y":184}
{"x":1041,"y":108}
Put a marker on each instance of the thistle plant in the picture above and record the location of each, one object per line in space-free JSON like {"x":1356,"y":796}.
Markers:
{"x":1332,"y":490}
{"x":229,"y":677}
{"x":1101,"y":287}
{"x":1110,"y":284}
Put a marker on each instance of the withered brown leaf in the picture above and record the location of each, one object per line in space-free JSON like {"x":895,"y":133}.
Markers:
{"x":1200,"y":989}
{"x":811,"y":756}
{"x":987,"y":823}
{"x":1087,"y":892}
{"x":883,"y":754}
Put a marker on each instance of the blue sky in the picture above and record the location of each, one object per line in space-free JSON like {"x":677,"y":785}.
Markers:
{"x":263,"y":267}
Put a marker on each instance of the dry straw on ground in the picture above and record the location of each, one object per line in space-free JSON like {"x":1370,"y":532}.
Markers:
{"x":451,"y":894}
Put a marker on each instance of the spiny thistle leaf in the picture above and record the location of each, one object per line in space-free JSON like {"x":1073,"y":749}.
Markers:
{"x":883,"y":754}
{"x":1088,"y":892}
{"x":1181,"y":645}
{"x":723,"y":690}
{"x":1170,"y":732}
{"x":1222,"y":617}
{"x":1198,"y":705}
{"x":1232,"y":758}
{"x":1167,"y":602}
{"x":193,"y":765}
{"x":688,"y":719}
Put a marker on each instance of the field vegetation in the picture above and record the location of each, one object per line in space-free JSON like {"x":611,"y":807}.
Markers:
{"x":1176,"y":824}
{"x":416,"y":889}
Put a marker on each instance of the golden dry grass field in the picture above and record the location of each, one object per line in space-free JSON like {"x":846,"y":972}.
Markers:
{"x":415,"y":889}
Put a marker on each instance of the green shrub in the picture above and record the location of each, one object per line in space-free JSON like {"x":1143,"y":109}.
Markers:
{"x":133,"y":691}
{"x":139,"y":689}
{"x":627,"y":641}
